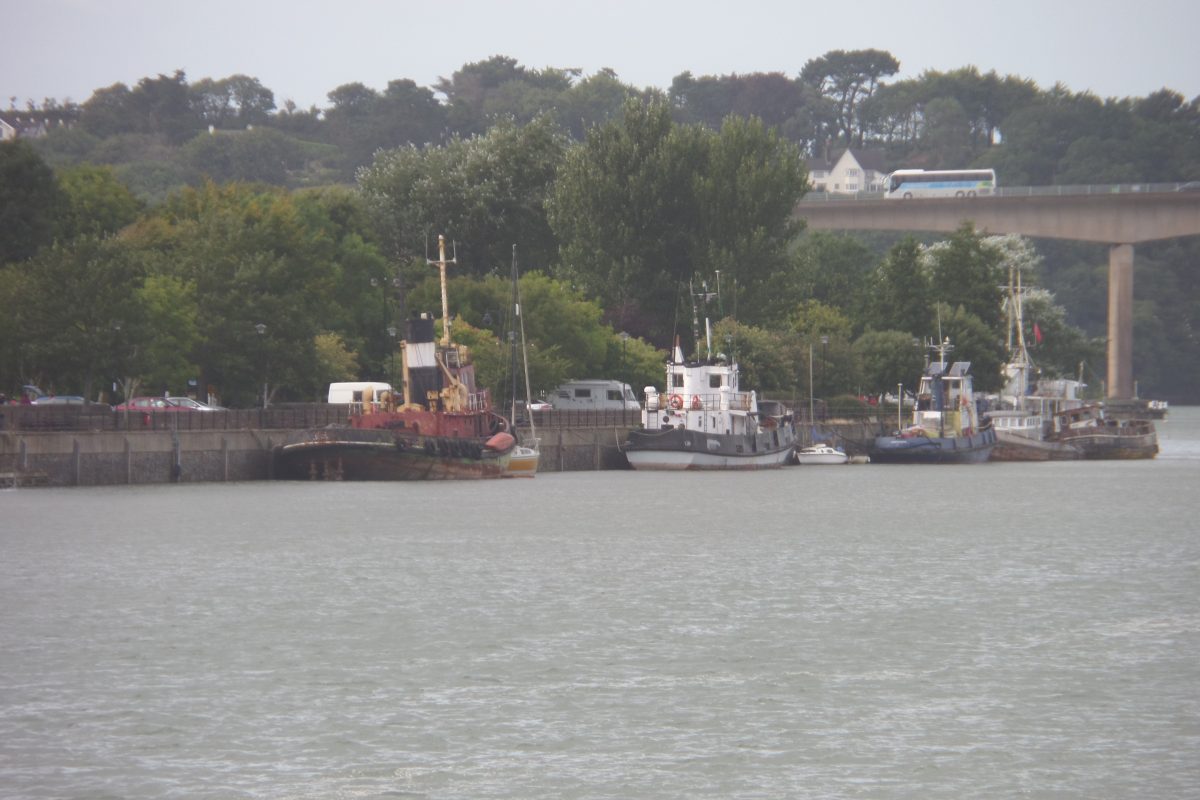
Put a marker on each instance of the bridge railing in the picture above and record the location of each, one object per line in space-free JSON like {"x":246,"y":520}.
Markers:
{"x":1027,"y":191}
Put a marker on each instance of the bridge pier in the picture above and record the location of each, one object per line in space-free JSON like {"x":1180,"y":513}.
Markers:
{"x":1120,"y":321}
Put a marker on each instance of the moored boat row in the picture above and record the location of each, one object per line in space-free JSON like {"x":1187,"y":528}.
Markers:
{"x":444,"y":426}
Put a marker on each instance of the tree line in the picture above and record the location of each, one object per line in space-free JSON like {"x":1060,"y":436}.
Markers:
{"x":616,"y":208}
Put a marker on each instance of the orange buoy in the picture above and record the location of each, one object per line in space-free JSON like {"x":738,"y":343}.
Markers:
{"x":501,"y":442}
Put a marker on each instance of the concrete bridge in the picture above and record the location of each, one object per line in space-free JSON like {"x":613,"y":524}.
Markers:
{"x":1119,"y":216}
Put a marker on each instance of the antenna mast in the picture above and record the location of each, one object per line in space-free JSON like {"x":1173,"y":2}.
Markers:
{"x":441,"y":264}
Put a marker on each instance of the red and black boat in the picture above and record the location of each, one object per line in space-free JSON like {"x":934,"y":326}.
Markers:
{"x":443,"y":426}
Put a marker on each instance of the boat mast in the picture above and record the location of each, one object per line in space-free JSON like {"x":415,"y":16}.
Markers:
{"x":512,"y":340}
{"x":441,"y":264}
{"x":524,"y":352}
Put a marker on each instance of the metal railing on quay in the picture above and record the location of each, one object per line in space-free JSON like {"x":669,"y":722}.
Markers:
{"x":99,"y":417}
{"x":572,"y":418}
{"x":294,"y":416}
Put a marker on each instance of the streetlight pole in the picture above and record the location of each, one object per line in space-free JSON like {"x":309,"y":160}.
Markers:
{"x":261,"y":328}
{"x":392,"y":369}
{"x":899,"y":405}
{"x":624,"y":369}
{"x":824,"y":344}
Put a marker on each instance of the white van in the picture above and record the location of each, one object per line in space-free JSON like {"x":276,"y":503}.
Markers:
{"x":357,"y":391}
{"x":594,"y":395}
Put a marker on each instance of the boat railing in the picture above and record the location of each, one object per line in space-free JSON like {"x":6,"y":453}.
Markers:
{"x":710,"y":401}
{"x":479,"y":401}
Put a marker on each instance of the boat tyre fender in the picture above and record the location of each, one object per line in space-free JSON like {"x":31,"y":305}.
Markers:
{"x":695,"y":402}
{"x":676,"y":402}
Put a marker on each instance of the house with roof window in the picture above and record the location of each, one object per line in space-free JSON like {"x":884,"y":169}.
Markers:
{"x":849,"y":172}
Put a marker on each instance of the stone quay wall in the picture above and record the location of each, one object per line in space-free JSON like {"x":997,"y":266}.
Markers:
{"x":107,"y":458}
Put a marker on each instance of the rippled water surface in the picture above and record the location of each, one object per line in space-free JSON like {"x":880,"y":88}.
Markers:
{"x":995,"y":630}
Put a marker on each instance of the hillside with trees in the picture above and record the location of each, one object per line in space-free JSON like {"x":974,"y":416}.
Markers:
{"x":148,"y":230}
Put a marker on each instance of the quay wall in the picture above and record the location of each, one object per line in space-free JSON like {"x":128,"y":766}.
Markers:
{"x":107,"y":457}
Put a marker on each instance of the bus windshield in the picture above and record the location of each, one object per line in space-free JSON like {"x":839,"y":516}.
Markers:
{"x":909,"y":183}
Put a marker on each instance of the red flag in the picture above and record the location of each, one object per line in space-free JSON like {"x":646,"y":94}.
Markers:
{"x":1037,"y":333}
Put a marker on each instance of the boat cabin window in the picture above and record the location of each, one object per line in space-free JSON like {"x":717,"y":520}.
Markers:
{"x":715,"y":381}
{"x":677,"y":380}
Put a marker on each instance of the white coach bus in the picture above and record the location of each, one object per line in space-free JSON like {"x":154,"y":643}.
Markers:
{"x":910,"y":183}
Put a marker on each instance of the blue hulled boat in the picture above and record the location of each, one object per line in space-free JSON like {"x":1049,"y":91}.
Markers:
{"x":946,"y":425}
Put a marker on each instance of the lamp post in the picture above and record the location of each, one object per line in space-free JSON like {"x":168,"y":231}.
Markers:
{"x":261,"y":328}
{"x":392,"y":369}
{"x":824,"y":345}
{"x":624,"y":368}
{"x":383,"y":284}
{"x":899,"y":405}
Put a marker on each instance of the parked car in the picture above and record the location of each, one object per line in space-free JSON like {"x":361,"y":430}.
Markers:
{"x":149,"y":404}
{"x":194,"y":405}
{"x":539,"y":405}
{"x":58,"y":399}
{"x":31,"y":393}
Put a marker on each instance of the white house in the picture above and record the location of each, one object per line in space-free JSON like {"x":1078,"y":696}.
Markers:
{"x":851,"y":171}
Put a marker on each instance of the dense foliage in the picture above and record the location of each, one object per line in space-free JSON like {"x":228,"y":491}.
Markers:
{"x":151,"y":228}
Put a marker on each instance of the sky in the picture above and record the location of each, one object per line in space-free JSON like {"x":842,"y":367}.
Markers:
{"x":303,"y":49}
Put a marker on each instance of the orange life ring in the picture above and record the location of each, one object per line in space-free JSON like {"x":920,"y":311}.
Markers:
{"x":695,"y":402}
{"x":676,"y":402}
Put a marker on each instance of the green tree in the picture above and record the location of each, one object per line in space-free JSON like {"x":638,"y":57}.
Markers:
{"x":768,"y":361}
{"x":252,"y":259}
{"x":233,"y":102}
{"x":592,"y":101}
{"x":1057,"y":347}
{"x":485,"y":193}
{"x":171,"y":322}
{"x":260,"y":155}
{"x":849,"y":78}
{"x":500,"y":88}
{"x":887,"y":359}
{"x":973,"y":340}
{"x":835,"y":269}
{"x":97,"y":202}
{"x":108,"y":112}
{"x":30,"y":202}
{"x":899,"y":291}
{"x":644,"y":205}
{"x":66,"y":309}
{"x":335,"y":361}
{"x":966,"y":272}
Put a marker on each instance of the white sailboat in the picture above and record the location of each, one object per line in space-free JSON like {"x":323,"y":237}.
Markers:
{"x":817,"y":453}
{"x":526,"y":455}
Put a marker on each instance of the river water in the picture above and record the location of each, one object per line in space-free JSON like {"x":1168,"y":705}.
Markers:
{"x":872,"y":631}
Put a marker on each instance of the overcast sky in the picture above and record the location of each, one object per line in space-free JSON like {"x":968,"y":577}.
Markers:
{"x":303,"y":49}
